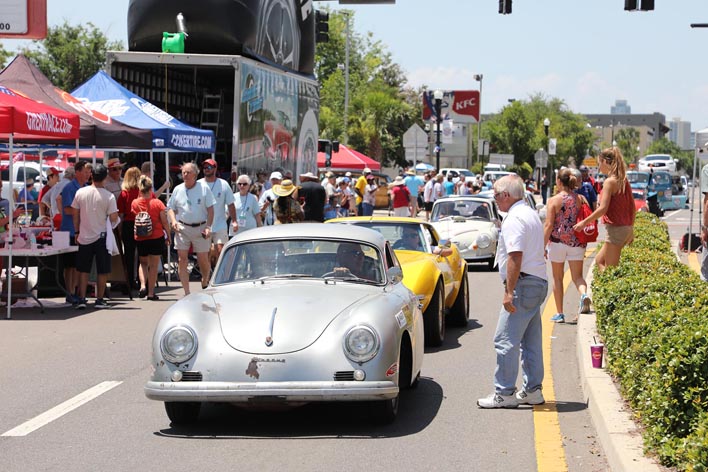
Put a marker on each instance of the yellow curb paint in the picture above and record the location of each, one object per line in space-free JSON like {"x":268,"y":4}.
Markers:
{"x":550,"y":454}
{"x":693,"y":262}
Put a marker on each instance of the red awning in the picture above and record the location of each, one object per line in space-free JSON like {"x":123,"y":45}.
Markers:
{"x":26,"y":118}
{"x":348,"y":159}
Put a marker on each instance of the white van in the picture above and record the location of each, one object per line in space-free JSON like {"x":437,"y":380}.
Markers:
{"x":21,"y":172}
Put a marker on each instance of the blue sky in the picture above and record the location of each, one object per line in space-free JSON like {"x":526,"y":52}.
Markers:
{"x":587,"y":53}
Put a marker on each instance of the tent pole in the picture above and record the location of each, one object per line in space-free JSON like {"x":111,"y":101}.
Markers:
{"x":168,"y":193}
{"x":93,"y":157}
{"x":76,"y":158}
{"x":8,"y":269}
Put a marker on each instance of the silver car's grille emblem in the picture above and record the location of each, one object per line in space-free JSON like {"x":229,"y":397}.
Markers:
{"x":269,"y":337}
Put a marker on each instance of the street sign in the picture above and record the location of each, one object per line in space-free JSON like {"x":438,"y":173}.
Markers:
{"x":541,"y":158}
{"x":505,"y":159}
{"x":415,"y":137}
{"x":590,"y":161}
{"x":415,"y":143}
{"x":26,"y":19}
{"x":552,"y":146}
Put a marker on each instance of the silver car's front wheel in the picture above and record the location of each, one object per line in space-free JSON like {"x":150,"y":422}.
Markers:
{"x":182,"y":412}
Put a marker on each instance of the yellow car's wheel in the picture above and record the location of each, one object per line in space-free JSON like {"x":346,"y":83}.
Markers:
{"x":434,"y":318}
{"x":459,"y":314}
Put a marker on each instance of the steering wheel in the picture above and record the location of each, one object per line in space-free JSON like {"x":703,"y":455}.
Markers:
{"x":340,"y":272}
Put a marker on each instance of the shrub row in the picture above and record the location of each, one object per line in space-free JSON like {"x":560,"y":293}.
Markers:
{"x":652,"y":313}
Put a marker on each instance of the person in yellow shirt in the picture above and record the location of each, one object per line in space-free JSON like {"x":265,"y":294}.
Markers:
{"x":360,"y":188}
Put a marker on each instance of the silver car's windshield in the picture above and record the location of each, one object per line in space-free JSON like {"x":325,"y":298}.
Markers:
{"x":472,"y":209}
{"x":637,"y":178}
{"x":262,"y":260}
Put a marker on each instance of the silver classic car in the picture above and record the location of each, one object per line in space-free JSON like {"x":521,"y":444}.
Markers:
{"x":293,"y":314}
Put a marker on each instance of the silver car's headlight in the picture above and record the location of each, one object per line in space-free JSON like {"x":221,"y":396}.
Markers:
{"x":361,"y":343}
{"x":178,"y":344}
{"x":483,"y":241}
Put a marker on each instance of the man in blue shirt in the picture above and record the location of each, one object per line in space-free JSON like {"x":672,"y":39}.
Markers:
{"x":414,"y":184}
{"x":71,"y":277}
{"x":586,"y":188}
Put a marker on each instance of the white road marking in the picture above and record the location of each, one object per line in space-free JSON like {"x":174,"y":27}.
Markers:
{"x":60,"y":410}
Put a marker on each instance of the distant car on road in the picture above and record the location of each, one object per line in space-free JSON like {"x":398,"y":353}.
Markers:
{"x":657,"y":162}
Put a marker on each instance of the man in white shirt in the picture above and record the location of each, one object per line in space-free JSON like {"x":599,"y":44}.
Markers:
{"x":268,"y":197}
{"x":522,"y":267}
{"x":224,"y":203}
{"x":92,"y":206}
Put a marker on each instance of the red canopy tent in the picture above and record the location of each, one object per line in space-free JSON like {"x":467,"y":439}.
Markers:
{"x":21,"y":118}
{"x":349,"y":159}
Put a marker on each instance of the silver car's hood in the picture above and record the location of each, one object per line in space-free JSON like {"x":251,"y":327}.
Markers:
{"x":453,"y":229}
{"x":303,"y":310}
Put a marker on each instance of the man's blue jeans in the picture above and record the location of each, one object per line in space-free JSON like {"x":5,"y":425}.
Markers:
{"x":367,"y":209}
{"x":520,"y":332}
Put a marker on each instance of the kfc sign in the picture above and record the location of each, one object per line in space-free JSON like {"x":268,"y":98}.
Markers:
{"x":461,"y":106}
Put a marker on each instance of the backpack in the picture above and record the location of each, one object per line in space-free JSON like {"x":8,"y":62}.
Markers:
{"x":143,"y":225}
{"x":589,"y":233}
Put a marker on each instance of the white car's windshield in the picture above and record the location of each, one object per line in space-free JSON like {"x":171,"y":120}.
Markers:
{"x":345,"y":260}
{"x":465,"y":208}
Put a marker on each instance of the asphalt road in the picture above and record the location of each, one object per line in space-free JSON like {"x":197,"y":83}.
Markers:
{"x":49,"y":359}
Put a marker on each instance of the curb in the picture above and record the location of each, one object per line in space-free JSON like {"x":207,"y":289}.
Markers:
{"x":619,"y":436}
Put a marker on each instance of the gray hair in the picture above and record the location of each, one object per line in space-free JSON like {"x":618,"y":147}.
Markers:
{"x":511,"y":184}
{"x":244,"y":176}
{"x":192,"y":166}
{"x":69,"y":173}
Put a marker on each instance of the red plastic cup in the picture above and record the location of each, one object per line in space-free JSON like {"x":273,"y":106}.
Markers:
{"x":596,"y":351}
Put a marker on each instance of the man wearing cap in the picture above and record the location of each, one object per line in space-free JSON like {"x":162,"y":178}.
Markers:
{"x":190,"y":212}
{"x":414,"y":184}
{"x":369,"y":200}
{"x":224,"y":203}
{"x":268,"y":197}
{"x":400,"y":197}
{"x":114,"y":182}
{"x":312,"y":196}
{"x":52,"y":180}
{"x":92,"y":206}
{"x":587,"y":188}
{"x":330,"y":185}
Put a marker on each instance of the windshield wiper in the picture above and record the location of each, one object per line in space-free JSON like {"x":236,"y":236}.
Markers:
{"x":282,"y":276}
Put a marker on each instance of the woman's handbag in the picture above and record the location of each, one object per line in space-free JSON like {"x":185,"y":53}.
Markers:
{"x":589,"y":233}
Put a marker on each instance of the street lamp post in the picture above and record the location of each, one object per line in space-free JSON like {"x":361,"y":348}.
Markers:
{"x":478,"y":78}
{"x":546,"y":127}
{"x":438,"y":96}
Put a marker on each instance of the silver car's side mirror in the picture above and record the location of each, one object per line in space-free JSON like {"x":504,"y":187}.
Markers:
{"x":394,"y":274}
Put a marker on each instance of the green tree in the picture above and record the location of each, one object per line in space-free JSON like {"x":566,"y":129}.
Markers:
{"x":628,"y":141}
{"x":4,"y":55}
{"x":381,"y":107}
{"x":70,"y":55}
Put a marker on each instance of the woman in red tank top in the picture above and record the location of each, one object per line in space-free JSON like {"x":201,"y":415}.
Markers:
{"x":616,"y":208}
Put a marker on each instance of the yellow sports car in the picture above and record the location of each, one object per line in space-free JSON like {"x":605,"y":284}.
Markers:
{"x":437,"y":274}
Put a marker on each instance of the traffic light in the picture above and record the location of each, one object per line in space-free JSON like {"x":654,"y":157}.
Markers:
{"x":321,"y":26}
{"x":325,"y":146}
{"x":335,"y":146}
{"x":505,"y":7}
{"x":641,"y":5}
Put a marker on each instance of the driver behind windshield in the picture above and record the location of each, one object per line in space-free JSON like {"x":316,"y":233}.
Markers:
{"x":351,"y":257}
{"x":409,"y":240}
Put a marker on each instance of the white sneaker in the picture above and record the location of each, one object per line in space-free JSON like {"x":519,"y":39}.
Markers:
{"x":496,"y":400}
{"x":530,"y":398}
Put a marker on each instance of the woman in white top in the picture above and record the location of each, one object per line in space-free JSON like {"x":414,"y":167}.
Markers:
{"x":248,"y":212}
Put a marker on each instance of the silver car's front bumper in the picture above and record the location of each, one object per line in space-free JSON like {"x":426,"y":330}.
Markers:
{"x":275,"y":391}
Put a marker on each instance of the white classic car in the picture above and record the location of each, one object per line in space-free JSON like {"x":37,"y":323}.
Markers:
{"x":293,"y":314}
{"x":471,"y":223}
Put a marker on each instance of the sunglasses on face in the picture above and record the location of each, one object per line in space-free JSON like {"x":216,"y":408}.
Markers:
{"x":353,"y":253}
{"x":208,"y":167}
{"x":241,"y":184}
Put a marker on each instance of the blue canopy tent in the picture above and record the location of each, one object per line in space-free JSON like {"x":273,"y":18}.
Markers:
{"x":102,"y":93}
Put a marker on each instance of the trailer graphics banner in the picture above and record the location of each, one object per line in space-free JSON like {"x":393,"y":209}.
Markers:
{"x":278,"y":116}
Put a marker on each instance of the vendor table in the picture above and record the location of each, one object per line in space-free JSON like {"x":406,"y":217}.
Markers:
{"x":36,"y":257}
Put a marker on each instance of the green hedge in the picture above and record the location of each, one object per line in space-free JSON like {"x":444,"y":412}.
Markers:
{"x":652,"y":313}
